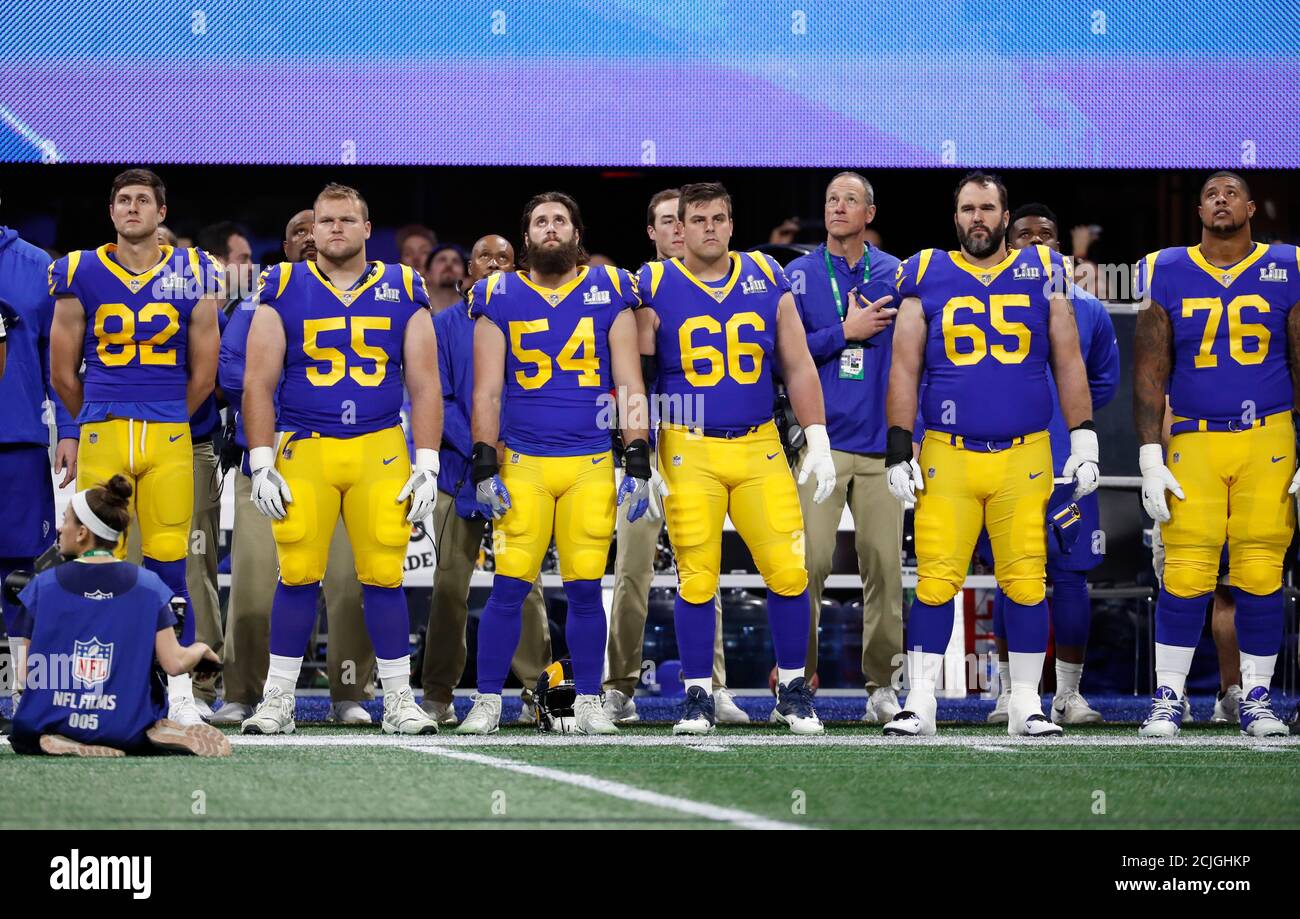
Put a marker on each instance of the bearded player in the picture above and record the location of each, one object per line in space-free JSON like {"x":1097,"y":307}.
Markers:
{"x":338,"y":336}
{"x":984,"y":325}
{"x":143,"y":318}
{"x":720,"y":324}
{"x":552,"y":335}
{"x":1217,"y":331}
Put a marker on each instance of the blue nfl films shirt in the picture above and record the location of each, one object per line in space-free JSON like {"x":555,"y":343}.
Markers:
{"x":90,"y":664}
{"x":855,"y":406}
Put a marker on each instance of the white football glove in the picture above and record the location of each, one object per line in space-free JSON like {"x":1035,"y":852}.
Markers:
{"x":644,"y":497}
{"x":1082,"y":462}
{"x":905,"y":480}
{"x":1295,"y":484}
{"x":1156,"y":480}
{"x":270,"y":490}
{"x":422,"y":486}
{"x":818,"y":462}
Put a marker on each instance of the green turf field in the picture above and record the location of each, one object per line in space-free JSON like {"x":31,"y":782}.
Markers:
{"x":328,"y":777}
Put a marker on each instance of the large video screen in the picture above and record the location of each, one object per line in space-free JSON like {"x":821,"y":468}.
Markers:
{"x":614,"y":83}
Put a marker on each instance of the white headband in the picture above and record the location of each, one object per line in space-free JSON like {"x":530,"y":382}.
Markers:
{"x":90,"y":521}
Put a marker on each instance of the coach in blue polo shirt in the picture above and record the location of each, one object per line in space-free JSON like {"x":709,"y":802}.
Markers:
{"x":845,"y":293}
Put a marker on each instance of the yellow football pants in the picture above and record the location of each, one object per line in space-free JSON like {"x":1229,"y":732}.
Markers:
{"x":746,"y":477}
{"x":158,"y":458}
{"x":361,"y":475}
{"x":1235,"y":489}
{"x":1005,"y":492}
{"x":571,"y":497}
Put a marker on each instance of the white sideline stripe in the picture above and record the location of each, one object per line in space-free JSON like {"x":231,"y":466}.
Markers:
{"x":774,"y":740}
{"x":743,"y":819}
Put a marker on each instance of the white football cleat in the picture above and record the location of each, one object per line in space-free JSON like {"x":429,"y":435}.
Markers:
{"x":620,"y":708}
{"x":1166,"y":718}
{"x":999,"y":713}
{"x":232,"y":713}
{"x":1227,"y":707}
{"x":442,"y":712}
{"x":1025,"y":717}
{"x":184,"y":712}
{"x":403,"y":716}
{"x":589,"y":716}
{"x":725,"y":709}
{"x":484,"y":716}
{"x":1072,"y":708}
{"x":203,"y":708}
{"x":882,"y":706}
{"x":273,"y":715}
{"x":527,"y":713}
{"x":916,"y":720}
{"x":349,"y":712}
{"x":1257,"y":716}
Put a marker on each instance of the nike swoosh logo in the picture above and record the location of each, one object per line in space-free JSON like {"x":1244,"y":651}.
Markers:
{"x":770,"y":455}
{"x":173,"y":440}
{"x":389,"y":460}
{"x":1277,"y":459}
{"x":597,"y":460}
{"x":1034,"y":475}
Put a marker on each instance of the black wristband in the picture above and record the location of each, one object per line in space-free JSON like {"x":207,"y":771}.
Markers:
{"x":1084,"y":426}
{"x":636,"y":460}
{"x":483,"y":462}
{"x":898,"y":446}
{"x":649,"y":369}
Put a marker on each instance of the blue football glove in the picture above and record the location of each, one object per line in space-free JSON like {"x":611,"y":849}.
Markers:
{"x":492,"y":497}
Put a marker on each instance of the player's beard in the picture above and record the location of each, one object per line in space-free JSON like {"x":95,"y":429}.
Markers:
{"x":980,"y":248}
{"x":555,"y":260}
{"x":1224,"y":232}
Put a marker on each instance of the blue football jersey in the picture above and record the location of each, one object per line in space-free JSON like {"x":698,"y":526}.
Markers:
{"x":557,"y":356}
{"x":716,"y":342}
{"x":343,"y":348}
{"x":137,"y":325}
{"x":987,"y":346}
{"x":90,"y":663}
{"x":1229,"y":328}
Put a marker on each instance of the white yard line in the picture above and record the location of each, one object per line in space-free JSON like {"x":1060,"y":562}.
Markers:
{"x":729,"y":815}
{"x":325,"y":738}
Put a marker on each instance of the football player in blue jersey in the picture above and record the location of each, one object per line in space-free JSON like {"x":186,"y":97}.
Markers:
{"x":720,"y":325}
{"x":555,"y":335}
{"x":143,"y":318}
{"x":338,"y":336}
{"x":984,"y":324}
{"x":1069,"y":560}
{"x":1220,"y":333}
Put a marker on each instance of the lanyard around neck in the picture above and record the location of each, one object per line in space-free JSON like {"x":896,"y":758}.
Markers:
{"x":840,"y":306}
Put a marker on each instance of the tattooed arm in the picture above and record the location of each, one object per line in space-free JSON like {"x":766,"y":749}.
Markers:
{"x":1152,"y":362}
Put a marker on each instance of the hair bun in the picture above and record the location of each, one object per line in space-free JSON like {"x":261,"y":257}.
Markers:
{"x":118,"y":491}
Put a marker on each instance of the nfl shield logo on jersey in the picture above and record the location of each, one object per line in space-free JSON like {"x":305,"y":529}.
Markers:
{"x":91,"y":662}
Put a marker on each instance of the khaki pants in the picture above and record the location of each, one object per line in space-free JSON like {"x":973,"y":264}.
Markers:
{"x":878,"y":538}
{"x":634,"y":558}
{"x":350,"y":659}
{"x":200,"y":558}
{"x":458,"y":542}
